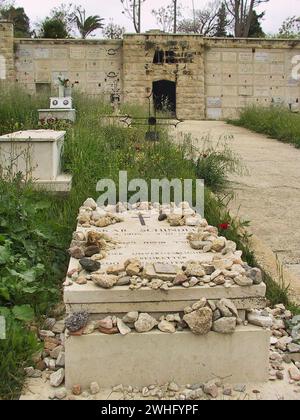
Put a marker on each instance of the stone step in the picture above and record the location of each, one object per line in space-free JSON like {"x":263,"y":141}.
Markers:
{"x":96,"y":316}
{"x":90,"y":293}
{"x":155,"y":307}
{"x":143,"y":359}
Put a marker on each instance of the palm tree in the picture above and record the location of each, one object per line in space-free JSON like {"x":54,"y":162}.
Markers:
{"x":87,"y":25}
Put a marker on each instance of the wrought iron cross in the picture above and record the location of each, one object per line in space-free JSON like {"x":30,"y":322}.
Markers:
{"x":152,"y":121}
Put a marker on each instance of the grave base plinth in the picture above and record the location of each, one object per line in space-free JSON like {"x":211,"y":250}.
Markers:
{"x":36,"y":154}
{"x":157,"y":358}
{"x":57,"y":114}
{"x":62,"y":184}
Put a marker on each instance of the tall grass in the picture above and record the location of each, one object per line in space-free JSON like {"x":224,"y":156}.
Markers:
{"x":276,"y":122}
{"x":18,"y":109}
{"x":216,"y":162}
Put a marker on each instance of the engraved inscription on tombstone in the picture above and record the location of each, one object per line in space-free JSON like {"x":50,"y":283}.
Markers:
{"x":141,"y":236}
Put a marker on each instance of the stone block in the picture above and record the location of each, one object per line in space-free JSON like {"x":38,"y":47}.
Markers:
{"x":36,"y":154}
{"x":58,"y":114}
{"x":143,"y":359}
{"x":163,"y":307}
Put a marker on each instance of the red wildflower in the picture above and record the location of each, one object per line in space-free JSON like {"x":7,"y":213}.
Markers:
{"x":224,"y":226}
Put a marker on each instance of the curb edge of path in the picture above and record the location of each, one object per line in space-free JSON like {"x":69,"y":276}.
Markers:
{"x":270,"y":264}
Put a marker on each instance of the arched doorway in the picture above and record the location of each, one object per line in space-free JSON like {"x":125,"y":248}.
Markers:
{"x":164,"y":96}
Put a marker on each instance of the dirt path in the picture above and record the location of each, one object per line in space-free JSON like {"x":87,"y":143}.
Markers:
{"x":269,"y":195}
{"x":39,"y":389}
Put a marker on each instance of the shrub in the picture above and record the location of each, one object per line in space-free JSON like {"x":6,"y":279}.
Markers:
{"x":216,"y":163}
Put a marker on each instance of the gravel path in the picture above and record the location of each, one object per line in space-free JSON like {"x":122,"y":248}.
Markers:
{"x":39,"y":389}
{"x":269,"y":195}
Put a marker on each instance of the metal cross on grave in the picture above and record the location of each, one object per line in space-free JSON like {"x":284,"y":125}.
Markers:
{"x":141,"y":218}
{"x":152,"y":121}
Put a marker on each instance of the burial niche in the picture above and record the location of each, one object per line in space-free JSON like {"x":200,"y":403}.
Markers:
{"x":164,"y":96}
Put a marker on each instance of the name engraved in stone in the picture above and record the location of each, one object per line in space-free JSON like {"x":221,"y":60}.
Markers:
{"x":156,"y":243}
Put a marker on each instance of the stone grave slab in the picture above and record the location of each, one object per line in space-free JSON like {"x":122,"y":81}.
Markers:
{"x":139,"y":359}
{"x":36,"y":154}
{"x":157,"y":358}
{"x":163,"y":250}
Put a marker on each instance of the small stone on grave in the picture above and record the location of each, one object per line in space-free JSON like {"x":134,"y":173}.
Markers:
{"x":165,"y":269}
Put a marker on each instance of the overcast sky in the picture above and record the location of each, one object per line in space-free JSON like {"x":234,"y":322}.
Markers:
{"x":277,"y":10}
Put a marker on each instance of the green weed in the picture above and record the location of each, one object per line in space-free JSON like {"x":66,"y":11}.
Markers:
{"x":276,"y":122}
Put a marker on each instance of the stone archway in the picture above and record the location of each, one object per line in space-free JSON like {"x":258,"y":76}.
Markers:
{"x":164,"y":96}
{"x":2,"y":67}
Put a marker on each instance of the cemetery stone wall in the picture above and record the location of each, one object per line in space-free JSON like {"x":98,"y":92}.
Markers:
{"x":175,"y":58}
{"x":94,"y":67}
{"x":6,"y":51}
{"x":240,"y":73}
{"x":208,"y":78}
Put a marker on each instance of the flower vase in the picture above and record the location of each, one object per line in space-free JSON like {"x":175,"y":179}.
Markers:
{"x":68,"y":92}
{"x":61,"y":91}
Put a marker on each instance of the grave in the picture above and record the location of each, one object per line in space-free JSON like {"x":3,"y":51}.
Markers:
{"x":61,"y":108}
{"x":37,"y":155}
{"x":139,"y":359}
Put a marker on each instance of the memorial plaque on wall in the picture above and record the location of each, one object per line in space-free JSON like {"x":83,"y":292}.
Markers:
{"x":214,"y":102}
{"x":277,"y":57}
{"x":24,"y":52}
{"x":229,"y":68}
{"x":95,"y":76}
{"x":262,"y":68}
{"x":229,"y":56}
{"x":60,"y":53}
{"x":246,"y":68}
{"x":261,"y":91}
{"x":77,"y":65}
{"x":293,"y":82}
{"x":277,"y":69}
{"x":245,"y":56}
{"x":213,"y":56}
{"x":95,"y":53}
{"x":77,"y":53}
{"x":262,"y":57}
{"x":213,"y":68}
{"x":214,"y":113}
{"x":41,"y":53}
{"x":25,"y":65}
{"x":60,"y":65}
